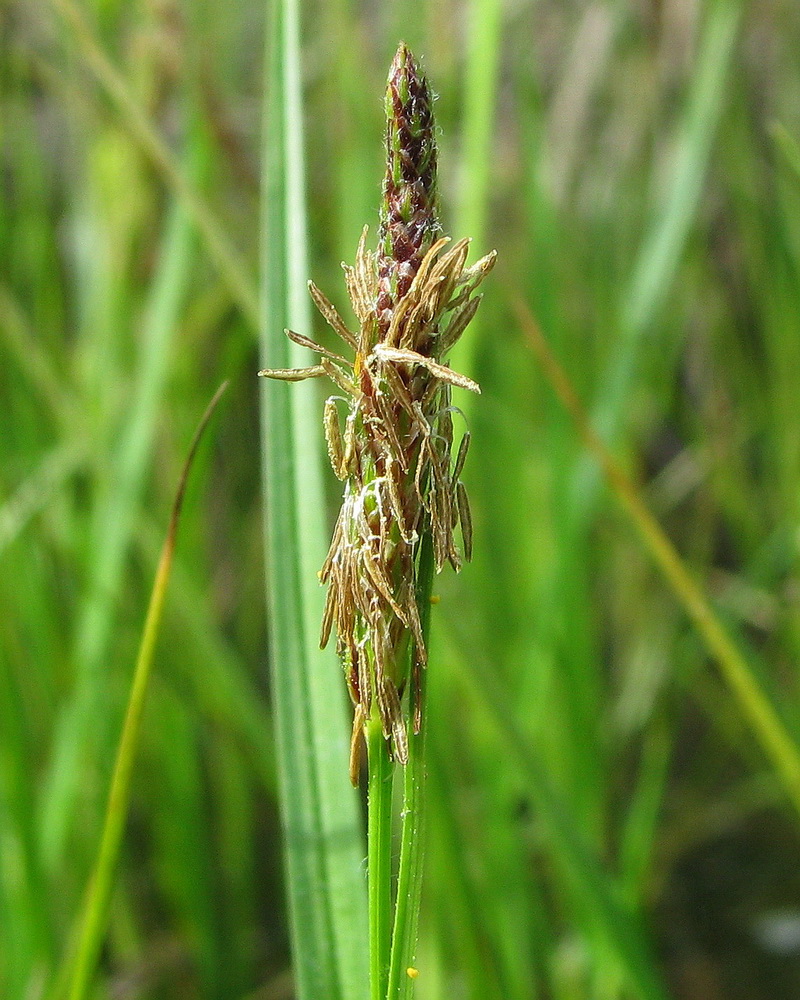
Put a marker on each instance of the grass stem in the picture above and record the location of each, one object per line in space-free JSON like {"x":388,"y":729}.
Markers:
{"x":379,"y":855}
{"x":409,"y":877}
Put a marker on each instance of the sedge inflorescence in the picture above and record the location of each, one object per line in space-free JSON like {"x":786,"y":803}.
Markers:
{"x":389,"y":430}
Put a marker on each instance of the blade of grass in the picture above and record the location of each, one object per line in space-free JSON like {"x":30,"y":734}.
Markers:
{"x":320,"y":811}
{"x":222,"y":253}
{"x":480,"y":86}
{"x":592,"y":888}
{"x":641,"y":822}
{"x":32,"y":357}
{"x":90,"y":936}
{"x":356,"y":127}
{"x":224,"y":692}
{"x":26,"y":933}
{"x":663,"y":245}
{"x":789,"y":149}
{"x":184,"y":848}
{"x":453,"y":893}
{"x":32,"y":495}
{"x":379,"y":856}
{"x":112,"y":526}
{"x":754,"y":704}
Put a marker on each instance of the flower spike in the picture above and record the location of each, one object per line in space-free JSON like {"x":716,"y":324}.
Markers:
{"x":413,"y":299}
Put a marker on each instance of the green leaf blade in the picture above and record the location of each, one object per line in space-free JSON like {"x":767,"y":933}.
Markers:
{"x":321,"y":820}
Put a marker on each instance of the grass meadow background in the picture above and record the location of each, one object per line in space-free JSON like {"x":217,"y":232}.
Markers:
{"x":606,"y":818}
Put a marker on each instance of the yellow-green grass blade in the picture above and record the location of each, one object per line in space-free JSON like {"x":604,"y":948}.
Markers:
{"x":92,"y":926}
{"x":755,"y":706}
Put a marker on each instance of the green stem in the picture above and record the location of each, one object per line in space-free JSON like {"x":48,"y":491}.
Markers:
{"x":379,"y":855}
{"x":409,"y":878}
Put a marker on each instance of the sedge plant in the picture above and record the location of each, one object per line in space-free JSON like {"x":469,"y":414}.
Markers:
{"x":390,"y":435}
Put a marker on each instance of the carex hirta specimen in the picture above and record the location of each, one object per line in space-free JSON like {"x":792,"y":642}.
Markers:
{"x":390,"y":428}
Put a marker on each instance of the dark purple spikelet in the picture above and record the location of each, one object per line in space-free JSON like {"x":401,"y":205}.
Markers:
{"x":409,"y":223}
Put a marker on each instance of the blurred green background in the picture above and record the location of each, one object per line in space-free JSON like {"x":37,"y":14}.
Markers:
{"x":634,"y":166}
